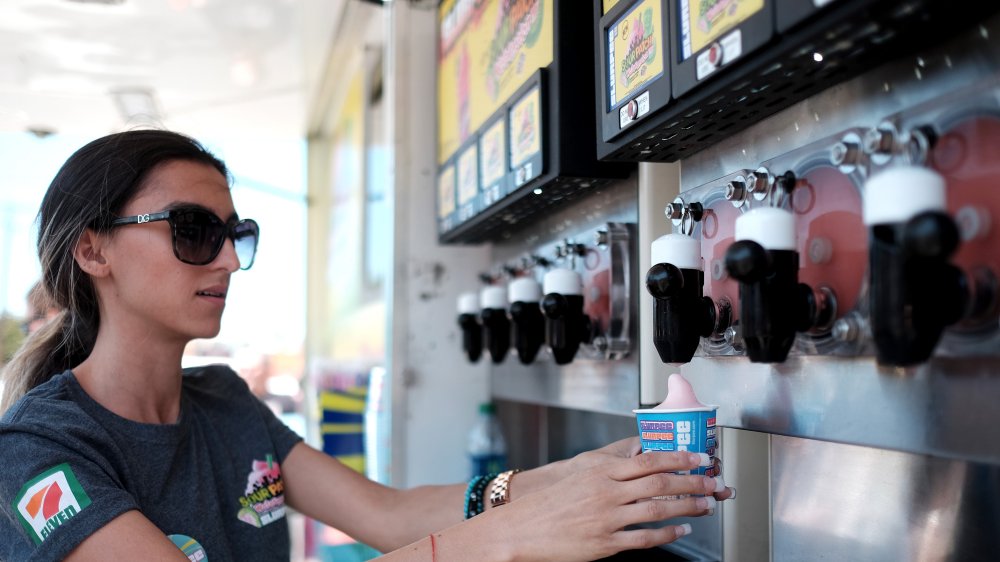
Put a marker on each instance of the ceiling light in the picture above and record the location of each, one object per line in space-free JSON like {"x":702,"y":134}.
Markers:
{"x":136,"y":105}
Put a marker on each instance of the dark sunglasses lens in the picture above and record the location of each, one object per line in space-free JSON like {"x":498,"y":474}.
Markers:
{"x":198,"y":236}
{"x":245,"y":235}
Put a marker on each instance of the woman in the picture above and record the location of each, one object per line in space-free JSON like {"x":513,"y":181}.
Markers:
{"x":114,"y":453}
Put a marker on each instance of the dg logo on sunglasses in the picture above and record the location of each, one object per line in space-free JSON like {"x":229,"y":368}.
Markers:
{"x":142,"y":218}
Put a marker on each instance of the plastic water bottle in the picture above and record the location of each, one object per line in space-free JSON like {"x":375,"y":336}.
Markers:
{"x":487,"y":448}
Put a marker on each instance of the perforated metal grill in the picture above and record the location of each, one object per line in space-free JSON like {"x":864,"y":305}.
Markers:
{"x":852,"y":37}
{"x":518,"y":208}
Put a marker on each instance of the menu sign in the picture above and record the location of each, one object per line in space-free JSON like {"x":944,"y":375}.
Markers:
{"x":446,"y":191}
{"x":635,"y":47}
{"x":487,"y":50}
{"x":526,"y":136}
{"x":468,"y":182}
{"x":702,"y":21}
{"x":492,"y":160}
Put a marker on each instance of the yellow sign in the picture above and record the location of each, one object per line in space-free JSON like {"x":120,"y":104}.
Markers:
{"x":468,"y":175}
{"x":492,"y":148}
{"x":486,"y":51}
{"x":708,"y":19}
{"x":635,"y":50}
{"x":608,"y":4}
{"x":446,"y":192}
{"x":526,"y":128}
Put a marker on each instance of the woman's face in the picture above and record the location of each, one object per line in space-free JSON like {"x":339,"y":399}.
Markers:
{"x":153,"y":290}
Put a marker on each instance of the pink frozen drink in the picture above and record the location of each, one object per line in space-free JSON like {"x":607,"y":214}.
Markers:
{"x":680,"y":423}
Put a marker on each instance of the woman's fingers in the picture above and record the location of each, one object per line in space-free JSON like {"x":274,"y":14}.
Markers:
{"x":649,"y":511}
{"x":656,"y":485}
{"x":636,"y":539}
{"x":653,"y":462}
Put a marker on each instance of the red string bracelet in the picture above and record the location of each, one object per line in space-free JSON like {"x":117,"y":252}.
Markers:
{"x":433,"y":548}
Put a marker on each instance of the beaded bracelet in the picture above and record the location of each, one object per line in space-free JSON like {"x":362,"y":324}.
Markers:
{"x":475,"y":494}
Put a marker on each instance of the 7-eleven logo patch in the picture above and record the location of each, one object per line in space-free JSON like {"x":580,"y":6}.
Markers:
{"x":49,"y":500}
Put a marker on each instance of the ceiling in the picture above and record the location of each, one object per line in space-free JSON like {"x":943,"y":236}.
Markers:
{"x":241,"y":67}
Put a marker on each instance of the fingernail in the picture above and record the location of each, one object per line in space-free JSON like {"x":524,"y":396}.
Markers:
{"x":695,"y":458}
{"x":732,"y":493}
{"x":720,"y":484}
{"x":705,"y":502}
{"x":704,"y":460}
{"x":684,"y":529}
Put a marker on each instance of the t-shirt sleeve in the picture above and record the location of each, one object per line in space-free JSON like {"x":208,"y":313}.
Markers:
{"x":281,"y":435}
{"x":52,"y":497}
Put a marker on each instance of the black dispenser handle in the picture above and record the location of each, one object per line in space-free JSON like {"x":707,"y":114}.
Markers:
{"x":496,"y":332}
{"x":773,"y":304}
{"x":472,"y":336}
{"x":915,"y":291}
{"x":566,"y":326}
{"x":681,"y":315}
{"x":529,"y":329}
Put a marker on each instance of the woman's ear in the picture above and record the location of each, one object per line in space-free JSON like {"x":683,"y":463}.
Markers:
{"x":89,"y":253}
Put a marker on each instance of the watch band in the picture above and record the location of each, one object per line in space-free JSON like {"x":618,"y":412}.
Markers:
{"x":500,"y":493}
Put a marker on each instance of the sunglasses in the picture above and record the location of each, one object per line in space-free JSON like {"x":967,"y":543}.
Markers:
{"x":199,"y":235}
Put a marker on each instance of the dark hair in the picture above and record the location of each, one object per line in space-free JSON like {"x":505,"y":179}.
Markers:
{"x":89,"y":191}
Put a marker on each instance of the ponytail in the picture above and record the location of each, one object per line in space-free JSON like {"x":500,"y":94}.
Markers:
{"x":55,"y":347}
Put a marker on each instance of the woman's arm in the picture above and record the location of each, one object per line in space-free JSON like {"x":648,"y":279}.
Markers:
{"x":559,"y":512}
{"x":130,"y":536}
{"x":584,"y":516}
{"x":384,"y":518}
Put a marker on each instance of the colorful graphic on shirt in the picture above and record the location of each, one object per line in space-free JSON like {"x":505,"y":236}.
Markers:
{"x":190,"y":547}
{"x":49,"y":500}
{"x":264,"y":500}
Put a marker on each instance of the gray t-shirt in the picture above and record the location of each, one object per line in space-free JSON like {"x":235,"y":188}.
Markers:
{"x":212,"y":482}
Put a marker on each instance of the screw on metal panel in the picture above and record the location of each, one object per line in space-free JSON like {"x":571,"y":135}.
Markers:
{"x":697,"y":211}
{"x":600,"y":343}
{"x":732,"y":337}
{"x":674,"y":210}
{"x":761,"y":181}
{"x":844,"y":153}
{"x":846,"y":329}
{"x":879,"y":141}
{"x":921,"y":141}
{"x":736,"y":190}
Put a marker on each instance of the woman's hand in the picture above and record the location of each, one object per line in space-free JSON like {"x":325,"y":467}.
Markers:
{"x":583,"y":516}
{"x":623,"y":449}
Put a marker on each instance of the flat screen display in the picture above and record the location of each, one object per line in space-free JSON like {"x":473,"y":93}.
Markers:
{"x":446,"y":191}
{"x":635,"y":51}
{"x":526,"y":128}
{"x":703,"y":21}
{"x":492,"y":149}
{"x":468,"y":174}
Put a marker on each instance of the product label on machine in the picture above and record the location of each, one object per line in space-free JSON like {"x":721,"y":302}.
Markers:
{"x":724,"y":51}
{"x":633,"y":110}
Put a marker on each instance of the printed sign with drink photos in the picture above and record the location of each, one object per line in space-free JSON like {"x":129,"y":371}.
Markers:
{"x":526,"y":137}
{"x":493,"y":162}
{"x":446,"y":197}
{"x":468,"y":182}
